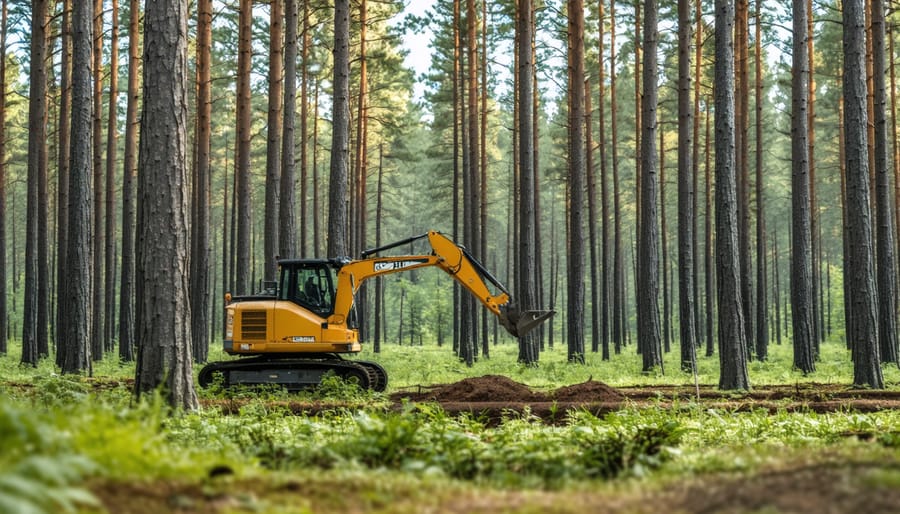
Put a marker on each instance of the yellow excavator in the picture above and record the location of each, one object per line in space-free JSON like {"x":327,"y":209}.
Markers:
{"x":294,"y":333}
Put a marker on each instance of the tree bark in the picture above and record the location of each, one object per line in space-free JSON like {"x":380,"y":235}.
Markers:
{"x":338,"y":194}
{"x":762,"y":311}
{"x":274,"y":139}
{"x":708,"y":262}
{"x":37,"y":162}
{"x":618,"y":275}
{"x":593,"y":222}
{"x":287,"y":231}
{"x":241,"y":206}
{"x":741,"y":161}
{"x":164,"y":332}
{"x":527,"y":254}
{"x":802,"y":307}
{"x":79,"y":257}
{"x":112,"y":137}
{"x":576,"y":182}
{"x":887,"y":302}
{"x":62,"y":174}
{"x":686,"y":193}
{"x":860,"y":268}
{"x":4,"y":309}
{"x":648,"y":259}
{"x":732,"y":333}
{"x":126,"y":294}
{"x":605,"y":263}
{"x":200,"y":280}
{"x":98,"y":345}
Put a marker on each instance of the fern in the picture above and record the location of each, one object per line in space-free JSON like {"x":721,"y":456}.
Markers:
{"x":42,"y":484}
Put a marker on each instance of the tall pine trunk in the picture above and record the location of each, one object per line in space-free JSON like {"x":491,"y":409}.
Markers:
{"x":4,"y":310}
{"x":802,"y":308}
{"x":686,"y":192}
{"x":241,"y":205}
{"x":126,"y":292}
{"x":338,"y":195}
{"x":112,"y":137}
{"x":37,"y":162}
{"x":648,"y":260}
{"x":200,"y":247}
{"x":164,"y":330}
{"x":576,"y":182}
{"x":887,"y":310}
{"x":287,"y":231}
{"x":77,"y":300}
{"x":272,"y":236}
{"x":732,"y":340}
{"x":860,"y":269}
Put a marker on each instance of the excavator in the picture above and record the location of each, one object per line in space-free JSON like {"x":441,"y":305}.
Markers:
{"x":295,"y":333}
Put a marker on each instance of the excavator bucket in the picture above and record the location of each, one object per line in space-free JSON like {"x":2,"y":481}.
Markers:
{"x":519,"y":323}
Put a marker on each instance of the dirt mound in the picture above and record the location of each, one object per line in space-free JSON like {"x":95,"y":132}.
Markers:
{"x":590,"y":391}
{"x":489,"y":388}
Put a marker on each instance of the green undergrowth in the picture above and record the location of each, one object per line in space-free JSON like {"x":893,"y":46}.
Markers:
{"x":59,"y":431}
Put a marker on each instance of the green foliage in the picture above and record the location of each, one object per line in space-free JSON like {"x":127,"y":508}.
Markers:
{"x":40,"y":471}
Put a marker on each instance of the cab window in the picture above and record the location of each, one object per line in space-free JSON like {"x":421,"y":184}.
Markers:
{"x":311,"y":287}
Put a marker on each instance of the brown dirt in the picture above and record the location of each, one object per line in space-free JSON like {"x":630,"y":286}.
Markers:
{"x":837,"y":486}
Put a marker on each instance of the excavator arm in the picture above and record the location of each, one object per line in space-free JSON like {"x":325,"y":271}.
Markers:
{"x":451,"y":258}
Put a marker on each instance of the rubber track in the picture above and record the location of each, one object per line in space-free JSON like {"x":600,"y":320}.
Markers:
{"x":370,"y":375}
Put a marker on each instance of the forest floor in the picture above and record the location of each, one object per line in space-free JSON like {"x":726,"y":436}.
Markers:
{"x":491,"y":397}
{"x":821,"y":483}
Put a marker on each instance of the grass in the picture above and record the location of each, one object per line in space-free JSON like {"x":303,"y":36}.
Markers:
{"x":365,"y":457}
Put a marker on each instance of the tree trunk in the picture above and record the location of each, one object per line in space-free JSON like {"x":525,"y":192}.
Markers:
{"x":360,"y":172}
{"x":762,"y":314}
{"x":98,"y":345}
{"x":686,"y":193}
{"x":77,"y":325}
{"x":241,"y":205}
{"x":287,"y":231}
{"x":164,"y":333}
{"x":338,"y":194}
{"x":527,"y":254}
{"x":815,"y":242}
{"x":801,"y":254}
{"x":37,"y":163}
{"x":592,"y":219}
{"x":4,"y":310}
{"x":62,"y":187}
{"x":708,"y":239}
{"x":126,"y":294}
{"x":271,"y":237}
{"x":887,"y":304}
{"x":457,"y":112}
{"x":201,"y":222}
{"x":379,"y":281}
{"x":695,"y":171}
{"x":732,"y":341}
{"x":303,"y":247}
{"x":605,"y":263}
{"x":112,"y":137}
{"x":741,"y":161}
{"x":648,"y":253}
{"x":618,"y":275}
{"x":576,"y":184}
{"x":860,"y":271}
{"x":664,"y":247}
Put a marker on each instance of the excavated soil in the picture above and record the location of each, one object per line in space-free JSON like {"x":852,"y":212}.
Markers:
{"x":493,"y":396}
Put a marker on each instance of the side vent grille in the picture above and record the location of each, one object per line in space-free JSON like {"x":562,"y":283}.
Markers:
{"x":253,"y":325}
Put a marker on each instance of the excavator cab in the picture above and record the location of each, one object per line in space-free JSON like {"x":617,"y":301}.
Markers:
{"x":310,"y":284}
